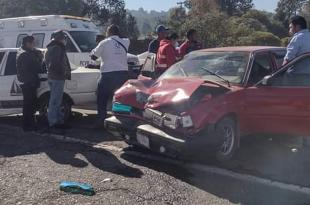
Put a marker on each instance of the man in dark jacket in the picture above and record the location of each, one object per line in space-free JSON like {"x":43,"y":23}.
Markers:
{"x":59,"y":71}
{"x":29,"y":65}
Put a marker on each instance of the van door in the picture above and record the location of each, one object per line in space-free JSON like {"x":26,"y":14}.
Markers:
{"x":11,"y":97}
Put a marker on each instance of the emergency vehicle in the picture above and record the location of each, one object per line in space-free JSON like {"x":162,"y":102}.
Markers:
{"x":81,"y":34}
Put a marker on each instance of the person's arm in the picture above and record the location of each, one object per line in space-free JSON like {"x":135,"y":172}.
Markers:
{"x":292,"y":50}
{"x":97,"y":52}
{"x":21,"y":64}
{"x":183,"y":49}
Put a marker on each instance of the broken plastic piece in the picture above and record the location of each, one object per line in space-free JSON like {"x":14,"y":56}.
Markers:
{"x":77,"y":188}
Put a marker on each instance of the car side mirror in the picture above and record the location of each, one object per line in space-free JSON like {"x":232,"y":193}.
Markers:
{"x":267,"y":80}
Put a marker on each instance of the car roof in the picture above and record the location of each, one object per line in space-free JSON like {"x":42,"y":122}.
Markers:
{"x":15,"y":49}
{"x":242,"y":49}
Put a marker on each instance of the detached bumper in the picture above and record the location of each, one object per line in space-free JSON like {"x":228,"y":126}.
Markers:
{"x":155,"y":139}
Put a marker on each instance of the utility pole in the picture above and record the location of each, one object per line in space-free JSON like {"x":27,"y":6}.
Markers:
{"x":181,"y":4}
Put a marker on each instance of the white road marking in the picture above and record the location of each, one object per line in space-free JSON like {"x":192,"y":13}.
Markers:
{"x":194,"y":166}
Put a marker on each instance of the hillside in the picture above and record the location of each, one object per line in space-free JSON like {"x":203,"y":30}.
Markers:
{"x":148,"y":20}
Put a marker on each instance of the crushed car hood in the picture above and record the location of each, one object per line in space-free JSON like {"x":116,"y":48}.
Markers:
{"x":150,"y":94}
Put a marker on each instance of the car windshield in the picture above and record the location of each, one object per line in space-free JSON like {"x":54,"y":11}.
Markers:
{"x":86,"y":40}
{"x":215,"y":66}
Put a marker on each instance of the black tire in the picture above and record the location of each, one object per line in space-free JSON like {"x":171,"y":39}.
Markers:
{"x":43,"y":109}
{"x":227,"y":130}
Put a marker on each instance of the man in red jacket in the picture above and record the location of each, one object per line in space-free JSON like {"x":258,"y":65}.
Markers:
{"x":191,"y":44}
{"x":167,"y":54}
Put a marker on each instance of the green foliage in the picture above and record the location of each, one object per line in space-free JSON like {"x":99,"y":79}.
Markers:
{"x":287,"y":9}
{"x":259,"y":38}
{"x":177,"y":17}
{"x":285,"y":41}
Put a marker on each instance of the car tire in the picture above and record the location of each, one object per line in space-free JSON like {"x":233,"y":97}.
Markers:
{"x":43,"y":109}
{"x":227,"y":130}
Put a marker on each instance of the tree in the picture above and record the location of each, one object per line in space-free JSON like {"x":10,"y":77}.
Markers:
{"x":260,"y":38}
{"x":132,"y":28}
{"x":288,"y":8}
{"x":235,"y":7}
{"x":177,"y":17}
{"x":17,"y":8}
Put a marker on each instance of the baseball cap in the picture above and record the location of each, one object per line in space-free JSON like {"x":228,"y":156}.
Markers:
{"x":161,"y":28}
{"x":59,"y":35}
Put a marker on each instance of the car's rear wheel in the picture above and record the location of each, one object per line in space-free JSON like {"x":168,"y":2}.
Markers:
{"x":226,"y":129}
{"x":66,"y":108}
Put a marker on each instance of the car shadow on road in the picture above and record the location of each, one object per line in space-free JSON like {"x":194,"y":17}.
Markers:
{"x":268,"y":157}
{"x":14,"y":143}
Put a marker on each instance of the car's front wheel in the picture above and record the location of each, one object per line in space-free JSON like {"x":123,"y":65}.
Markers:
{"x":66,"y":108}
{"x":227,"y":130}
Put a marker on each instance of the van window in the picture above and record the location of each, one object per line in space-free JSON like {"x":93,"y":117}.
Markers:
{"x":10,"y":68}
{"x":20,"y":38}
{"x":1,"y":56}
{"x":86,"y":40}
{"x":38,"y":39}
{"x":70,"y":47}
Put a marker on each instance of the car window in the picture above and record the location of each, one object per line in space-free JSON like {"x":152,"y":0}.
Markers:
{"x":261,"y":67}
{"x":10,"y":68}
{"x":279,"y":57}
{"x":214,"y":66}
{"x":86,"y":40}
{"x":38,"y":39}
{"x":20,"y":38}
{"x":298,"y":75}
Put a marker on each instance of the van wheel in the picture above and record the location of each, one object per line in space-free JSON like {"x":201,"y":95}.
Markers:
{"x":226,"y":129}
{"x":66,"y":108}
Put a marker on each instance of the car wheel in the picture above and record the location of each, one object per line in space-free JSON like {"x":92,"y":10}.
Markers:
{"x":66,"y":108}
{"x":226,"y":129}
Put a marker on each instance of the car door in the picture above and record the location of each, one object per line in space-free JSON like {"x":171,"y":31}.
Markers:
{"x":11,"y":99}
{"x":283,"y":107}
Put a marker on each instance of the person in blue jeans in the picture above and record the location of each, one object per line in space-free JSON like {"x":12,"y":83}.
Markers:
{"x":59,"y":71}
{"x":114,"y":68}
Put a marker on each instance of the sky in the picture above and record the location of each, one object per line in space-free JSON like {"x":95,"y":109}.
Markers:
{"x":164,"y":5}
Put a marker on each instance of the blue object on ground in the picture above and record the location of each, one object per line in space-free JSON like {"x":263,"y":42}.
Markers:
{"x":77,"y":188}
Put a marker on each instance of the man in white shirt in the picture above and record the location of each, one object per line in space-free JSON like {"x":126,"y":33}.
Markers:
{"x":114,"y":68}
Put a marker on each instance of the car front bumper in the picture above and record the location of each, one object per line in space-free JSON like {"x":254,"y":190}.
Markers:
{"x":158,"y":140}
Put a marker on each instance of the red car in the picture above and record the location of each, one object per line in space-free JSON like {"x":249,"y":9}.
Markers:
{"x":212,"y":98}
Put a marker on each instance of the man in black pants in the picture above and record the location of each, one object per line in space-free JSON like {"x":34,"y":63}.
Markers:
{"x":29,"y":65}
{"x":114,"y":68}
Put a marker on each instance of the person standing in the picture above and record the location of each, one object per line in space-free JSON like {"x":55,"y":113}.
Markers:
{"x":161,"y":32}
{"x":29,"y":65}
{"x":114,"y":68}
{"x":59,"y":71}
{"x":167,"y":54}
{"x":300,"y":43}
{"x":191,"y":44}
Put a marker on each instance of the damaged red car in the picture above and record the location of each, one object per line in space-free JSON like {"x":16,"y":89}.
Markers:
{"x":211,"y":99}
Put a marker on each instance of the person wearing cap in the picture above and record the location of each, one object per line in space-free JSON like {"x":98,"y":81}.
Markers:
{"x":114,"y":68}
{"x":59,"y":71}
{"x":167,"y":54}
{"x":191,"y":44}
{"x":161,"y":32}
{"x":29,"y":64}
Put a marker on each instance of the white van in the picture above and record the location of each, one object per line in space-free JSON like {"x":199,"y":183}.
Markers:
{"x":81,"y":35}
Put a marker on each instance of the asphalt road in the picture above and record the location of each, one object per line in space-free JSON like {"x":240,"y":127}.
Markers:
{"x":32,"y":166}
